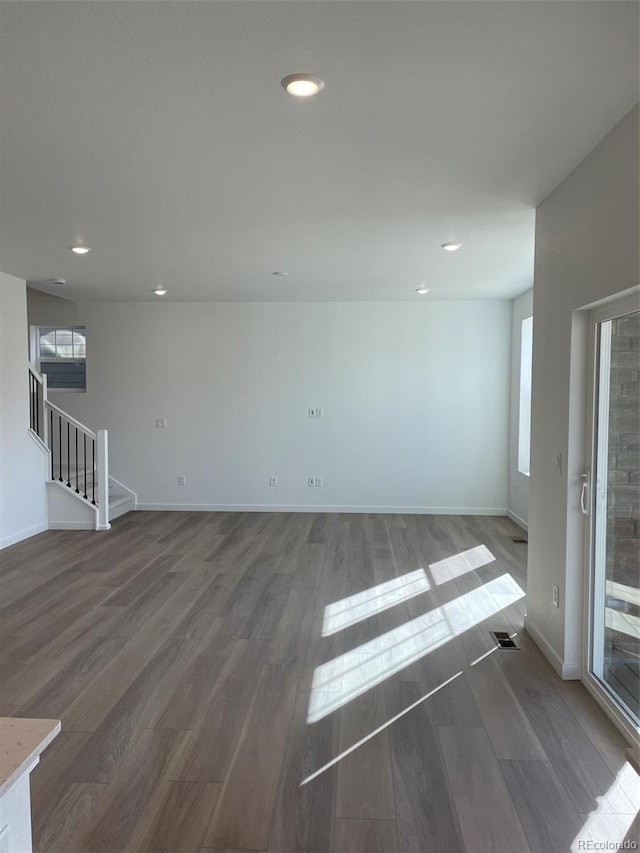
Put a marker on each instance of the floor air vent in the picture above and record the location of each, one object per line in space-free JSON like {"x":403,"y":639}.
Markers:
{"x":504,"y":641}
{"x":520,"y":539}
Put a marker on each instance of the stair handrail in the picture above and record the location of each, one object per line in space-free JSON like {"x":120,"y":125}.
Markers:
{"x":33,"y":369}
{"x":37,"y":403}
{"x":93,"y":453}
{"x":71,"y":419}
{"x":42,"y":424}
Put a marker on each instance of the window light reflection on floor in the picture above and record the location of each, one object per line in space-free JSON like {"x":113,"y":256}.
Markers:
{"x":604,"y":830}
{"x":342,"y":679}
{"x":460,"y":564}
{"x":349,"y":611}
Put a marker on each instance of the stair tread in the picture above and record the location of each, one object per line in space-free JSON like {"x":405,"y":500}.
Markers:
{"x":118,"y":499}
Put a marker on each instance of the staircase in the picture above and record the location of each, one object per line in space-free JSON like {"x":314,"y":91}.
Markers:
{"x":81,"y":495}
{"x":119,"y":499}
{"x":120,"y":504}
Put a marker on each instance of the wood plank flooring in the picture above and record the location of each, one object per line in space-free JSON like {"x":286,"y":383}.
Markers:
{"x":183,"y":652}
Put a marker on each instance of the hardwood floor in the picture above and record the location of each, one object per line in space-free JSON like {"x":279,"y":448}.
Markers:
{"x":184,"y":654}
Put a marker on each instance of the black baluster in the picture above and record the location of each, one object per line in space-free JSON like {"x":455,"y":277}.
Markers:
{"x":68,"y":454}
{"x":61,"y":478}
{"x":77,"y":489}
{"x":37,"y":407}
{"x":93,"y":469}
{"x":51,"y":441}
{"x":84,"y":439}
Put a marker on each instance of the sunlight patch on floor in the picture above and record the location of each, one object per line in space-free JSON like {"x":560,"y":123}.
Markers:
{"x":340,"y":680}
{"x":460,"y":564}
{"x":606,"y":831}
{"x":349,"y":611}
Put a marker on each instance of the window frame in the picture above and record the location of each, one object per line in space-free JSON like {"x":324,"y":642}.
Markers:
{"x":524,"y":396}
{"x":38,"y":360}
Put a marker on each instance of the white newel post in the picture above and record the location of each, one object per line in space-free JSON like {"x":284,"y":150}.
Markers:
{"x":103,"y":479}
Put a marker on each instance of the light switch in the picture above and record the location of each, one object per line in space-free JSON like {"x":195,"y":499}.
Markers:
{"x":161,"y":423}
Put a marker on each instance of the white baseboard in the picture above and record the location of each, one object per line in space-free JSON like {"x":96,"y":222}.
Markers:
{"x":390,"y":510}
{"x":14,"y":538}
{"x":566,"y":671}
{"x":545,"y":647}
{"x":571,"y":672}
{"x":519,"y":521}
{"x":72,"y":525}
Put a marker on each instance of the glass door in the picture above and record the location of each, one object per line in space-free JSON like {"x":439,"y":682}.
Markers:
{"x":615,"y":507}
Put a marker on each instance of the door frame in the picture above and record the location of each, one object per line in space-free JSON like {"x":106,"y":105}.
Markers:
{"x":618,"y":307}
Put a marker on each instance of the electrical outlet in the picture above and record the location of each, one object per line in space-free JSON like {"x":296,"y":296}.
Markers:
{"x":311,"y":481}
{"x":319,"y":482}
{"x":161,"y":423}
{"x":273,"y":481}
{"x":182,"y":480}
{"x":555,"y":595}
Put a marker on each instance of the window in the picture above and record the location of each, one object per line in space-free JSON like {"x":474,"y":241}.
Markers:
{"x":62,"y":355}
{"x":524,"y":423}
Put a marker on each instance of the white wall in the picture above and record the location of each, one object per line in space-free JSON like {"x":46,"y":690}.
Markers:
{"x":22,"y":464}
{"x":415,"y":398}
{"x":522,"y":307}
{"x":586,"y":250}
{"x":45,"y":309}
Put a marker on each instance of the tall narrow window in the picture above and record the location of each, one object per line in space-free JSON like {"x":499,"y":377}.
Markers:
{"x":62,"y":355}
{"x":524,"y":422}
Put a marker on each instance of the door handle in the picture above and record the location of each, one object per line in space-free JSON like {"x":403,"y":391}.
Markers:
{"x":584,"y":509}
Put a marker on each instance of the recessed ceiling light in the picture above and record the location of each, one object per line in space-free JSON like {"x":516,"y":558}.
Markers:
{"x":280,"y":274}
{"x":422,"y":290}
{"x":451,"y":247}
{"x":302,"y":85}
{"x":160,"y":291}
{"x":80,"y":250}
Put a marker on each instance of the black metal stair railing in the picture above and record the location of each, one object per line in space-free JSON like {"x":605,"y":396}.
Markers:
{"x":36,"y":404}
{"x":73,"y":454}
{"x":79,"y":457}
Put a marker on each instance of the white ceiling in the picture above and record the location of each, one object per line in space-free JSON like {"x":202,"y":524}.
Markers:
{"x":160,"y":135}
